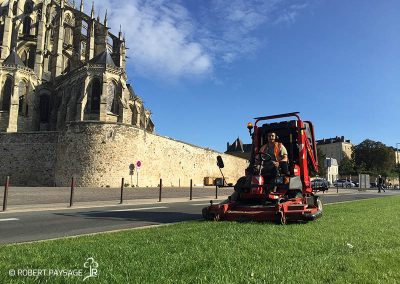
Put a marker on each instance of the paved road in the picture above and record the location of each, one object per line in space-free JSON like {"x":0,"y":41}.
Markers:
{"x":18,"y":227}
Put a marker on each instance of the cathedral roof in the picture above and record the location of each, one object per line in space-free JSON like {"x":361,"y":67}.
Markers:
{"x":13,"y":59}
{"x":103,"y":58}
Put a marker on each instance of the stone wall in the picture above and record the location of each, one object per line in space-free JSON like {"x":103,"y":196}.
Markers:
{"x":99,"y":154}
{"x":28,"y":158}
{"x":3,"y":121}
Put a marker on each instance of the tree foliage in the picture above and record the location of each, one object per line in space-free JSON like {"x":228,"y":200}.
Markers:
{"x":374,"y":157}
{"x":322,"y":170}
{"x":346,"y":167}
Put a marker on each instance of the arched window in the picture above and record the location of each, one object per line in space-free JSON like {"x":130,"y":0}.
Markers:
{"x":68,"y":35}
{"x":112,"y":99}
{"x":24,"y":57}
{"x":26,"y":29}
{"x":7,"y":92}
{"x":15,"y":8}
{"x":44,"y":107}
{"x":95,"y":98}
{"x":31,"y":59}
{"x":22,"y":94}
{"x":28,"y":8}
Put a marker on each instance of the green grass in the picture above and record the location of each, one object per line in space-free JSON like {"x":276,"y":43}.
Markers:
{"x":230,"y":252}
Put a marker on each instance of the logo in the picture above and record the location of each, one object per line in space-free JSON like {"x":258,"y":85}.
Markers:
{"x":92,"y":265}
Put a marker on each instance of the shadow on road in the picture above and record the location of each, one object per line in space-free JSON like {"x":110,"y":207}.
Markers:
{"x":141,"y":216}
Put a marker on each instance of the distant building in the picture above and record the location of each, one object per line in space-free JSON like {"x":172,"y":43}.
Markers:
{"x":336,"y":148}
{"x":238,"y":149}
{"x":332,"y":169}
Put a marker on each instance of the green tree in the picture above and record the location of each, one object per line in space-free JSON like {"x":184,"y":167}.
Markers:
{"x":346,"y":167}
{"x":322,"y":170}
{"x":374,"y":157}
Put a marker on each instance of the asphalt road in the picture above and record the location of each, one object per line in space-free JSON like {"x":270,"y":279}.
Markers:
{"x":42,"y":225}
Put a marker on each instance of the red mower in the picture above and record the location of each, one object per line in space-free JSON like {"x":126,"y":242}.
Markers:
{"x":285,"y":195}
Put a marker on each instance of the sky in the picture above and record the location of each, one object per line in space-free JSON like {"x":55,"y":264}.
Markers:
{"x":206,"y":68}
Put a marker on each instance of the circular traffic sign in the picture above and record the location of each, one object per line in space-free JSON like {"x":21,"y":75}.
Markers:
{"x":138,"y":164}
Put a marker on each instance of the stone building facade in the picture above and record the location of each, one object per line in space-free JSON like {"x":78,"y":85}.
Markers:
{"x":58,"y":64}
{"x":336,"y":148}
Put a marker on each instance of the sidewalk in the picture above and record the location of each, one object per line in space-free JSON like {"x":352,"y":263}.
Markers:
{"x":45,"y":199}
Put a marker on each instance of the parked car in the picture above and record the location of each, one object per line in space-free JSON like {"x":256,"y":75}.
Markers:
{"x":373,"y":185}
{"x":344,"y":183}
{"x":320,"y":184}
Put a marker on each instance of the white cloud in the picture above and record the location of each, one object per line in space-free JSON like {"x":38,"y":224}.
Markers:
{"x":169,"y":39}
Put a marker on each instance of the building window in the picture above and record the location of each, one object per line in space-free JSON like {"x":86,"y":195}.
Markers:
{"x":7,"y":92}
{"x":26,"y":29}
{"x":95,"y":98}
{"x":68,"y":36}
{"x":28,"y":8}
{"x":22,"y":94}
{"x":112,"y":99}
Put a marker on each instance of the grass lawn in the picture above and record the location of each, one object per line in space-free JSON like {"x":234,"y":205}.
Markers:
{"x":356,"y":242}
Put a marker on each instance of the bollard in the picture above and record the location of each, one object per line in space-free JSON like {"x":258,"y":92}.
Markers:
{"x":71,"y":198}
{"x":191,"y":189}
{"x":159,"y":194}
{"x":122,"y":192}
{"x":216,"y":192}
{"x":179,"y":183}
{"x":6,"y":185}
{"x":337,"y":188}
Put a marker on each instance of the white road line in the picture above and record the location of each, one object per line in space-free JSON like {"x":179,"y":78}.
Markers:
{"x":202,"y":204}
{"x":138,"y":209}
{"x":9,"y":219}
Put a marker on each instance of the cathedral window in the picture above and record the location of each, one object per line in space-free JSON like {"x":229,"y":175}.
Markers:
{"x":95,"y":96}
{"x":112,"y":99}
{"x":15,"y":8}
{"x":28,"y":8}
{"x":6,"y":95}
{"x":68,"y":36}
{"x":22,"y":94}
{"x":26,"y":29}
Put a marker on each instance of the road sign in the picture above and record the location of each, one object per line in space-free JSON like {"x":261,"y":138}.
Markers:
{"x":131,"y":167}
{"x":138,"y":164}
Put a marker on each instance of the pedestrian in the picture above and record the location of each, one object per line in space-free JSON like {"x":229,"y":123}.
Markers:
{"x":380,"y":184}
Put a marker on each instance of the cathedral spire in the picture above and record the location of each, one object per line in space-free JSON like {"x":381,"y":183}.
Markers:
{"x":105,"y":19}
{"x":92,"y":12}
{"x":81,"y":8}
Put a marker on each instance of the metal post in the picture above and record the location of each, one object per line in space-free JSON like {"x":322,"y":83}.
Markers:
{"x":191,"y":189}
{"x":216,"y":192}
{"x":398,"y":160}
{"x":122,"y":191}
{"x":6,"y":185}
{"x":137,"y":178}
{"x":179,"y":182}
{"x":159,"y":194}
{"x":71,"y":198}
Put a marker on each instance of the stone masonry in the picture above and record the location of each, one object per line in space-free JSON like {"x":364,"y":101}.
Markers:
{"x":99,"y":154}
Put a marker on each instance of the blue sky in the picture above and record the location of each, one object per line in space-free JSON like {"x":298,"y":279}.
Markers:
{"x":206,"y":68}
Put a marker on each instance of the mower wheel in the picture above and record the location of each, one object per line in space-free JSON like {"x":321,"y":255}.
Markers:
{"x":280,"y":218}
{"x":318,"y":203}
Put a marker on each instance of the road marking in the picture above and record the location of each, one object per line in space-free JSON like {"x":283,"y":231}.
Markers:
{"x":9,"y":219}
{"x":138,"y":209}
{"x":202,"y":204}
